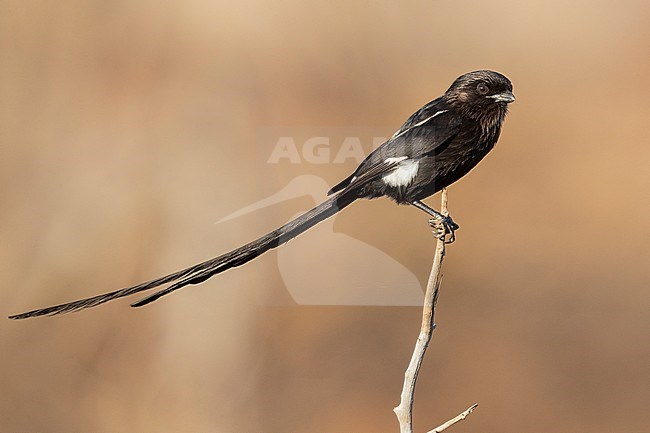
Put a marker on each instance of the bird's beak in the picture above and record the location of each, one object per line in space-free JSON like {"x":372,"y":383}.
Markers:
{"x":506,"y":97}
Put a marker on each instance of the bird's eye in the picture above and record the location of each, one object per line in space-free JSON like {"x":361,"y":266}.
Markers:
{"x":482,"y":89}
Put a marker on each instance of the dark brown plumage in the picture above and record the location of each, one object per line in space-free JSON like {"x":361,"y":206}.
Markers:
{"x":435,"y":147}
{"x":459,"y":129}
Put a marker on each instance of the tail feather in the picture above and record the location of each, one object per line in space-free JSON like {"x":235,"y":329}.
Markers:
{"x":258,"y":247}
{"x":202,"y":271}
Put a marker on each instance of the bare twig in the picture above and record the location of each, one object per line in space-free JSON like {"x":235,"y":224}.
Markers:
{"x":453,"y":421}
{"x":404,"y":411}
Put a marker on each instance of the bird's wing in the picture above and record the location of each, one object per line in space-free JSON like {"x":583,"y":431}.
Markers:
{"x":429,"y":135}
{"x":373,"y":172}
{"x":426,"y":135}
{"x":423,"y":113}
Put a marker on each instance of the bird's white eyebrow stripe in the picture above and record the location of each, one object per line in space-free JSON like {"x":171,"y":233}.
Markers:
{"x":420,"y":123}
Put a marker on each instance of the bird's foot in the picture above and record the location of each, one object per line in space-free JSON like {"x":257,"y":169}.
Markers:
{"x":444,"y":228}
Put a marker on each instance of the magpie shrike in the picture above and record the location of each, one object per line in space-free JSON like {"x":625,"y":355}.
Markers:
{"x":436,"y":146}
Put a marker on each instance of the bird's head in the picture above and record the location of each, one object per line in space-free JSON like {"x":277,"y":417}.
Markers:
{"x":481,"y":94}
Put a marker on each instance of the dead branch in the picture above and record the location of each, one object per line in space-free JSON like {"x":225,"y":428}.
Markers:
{"x":404,"y":411}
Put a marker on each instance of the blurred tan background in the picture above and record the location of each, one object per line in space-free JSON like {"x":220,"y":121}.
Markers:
{"x":128,"y":128}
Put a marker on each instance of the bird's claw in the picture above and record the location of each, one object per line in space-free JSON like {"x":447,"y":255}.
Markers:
{"x":444,"y":229}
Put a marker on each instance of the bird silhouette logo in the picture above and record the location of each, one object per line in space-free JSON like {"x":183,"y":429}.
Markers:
{"x":378,"y":279}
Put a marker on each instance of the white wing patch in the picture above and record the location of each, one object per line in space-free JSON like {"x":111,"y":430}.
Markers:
{"x":403,"y":174}
{"x":422,"y":122}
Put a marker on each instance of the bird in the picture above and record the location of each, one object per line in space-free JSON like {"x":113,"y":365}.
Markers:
{"x":378,"y":279}
{"x":436,"y":146}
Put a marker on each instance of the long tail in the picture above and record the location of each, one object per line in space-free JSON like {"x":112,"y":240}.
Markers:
{"x":201,"y":272}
